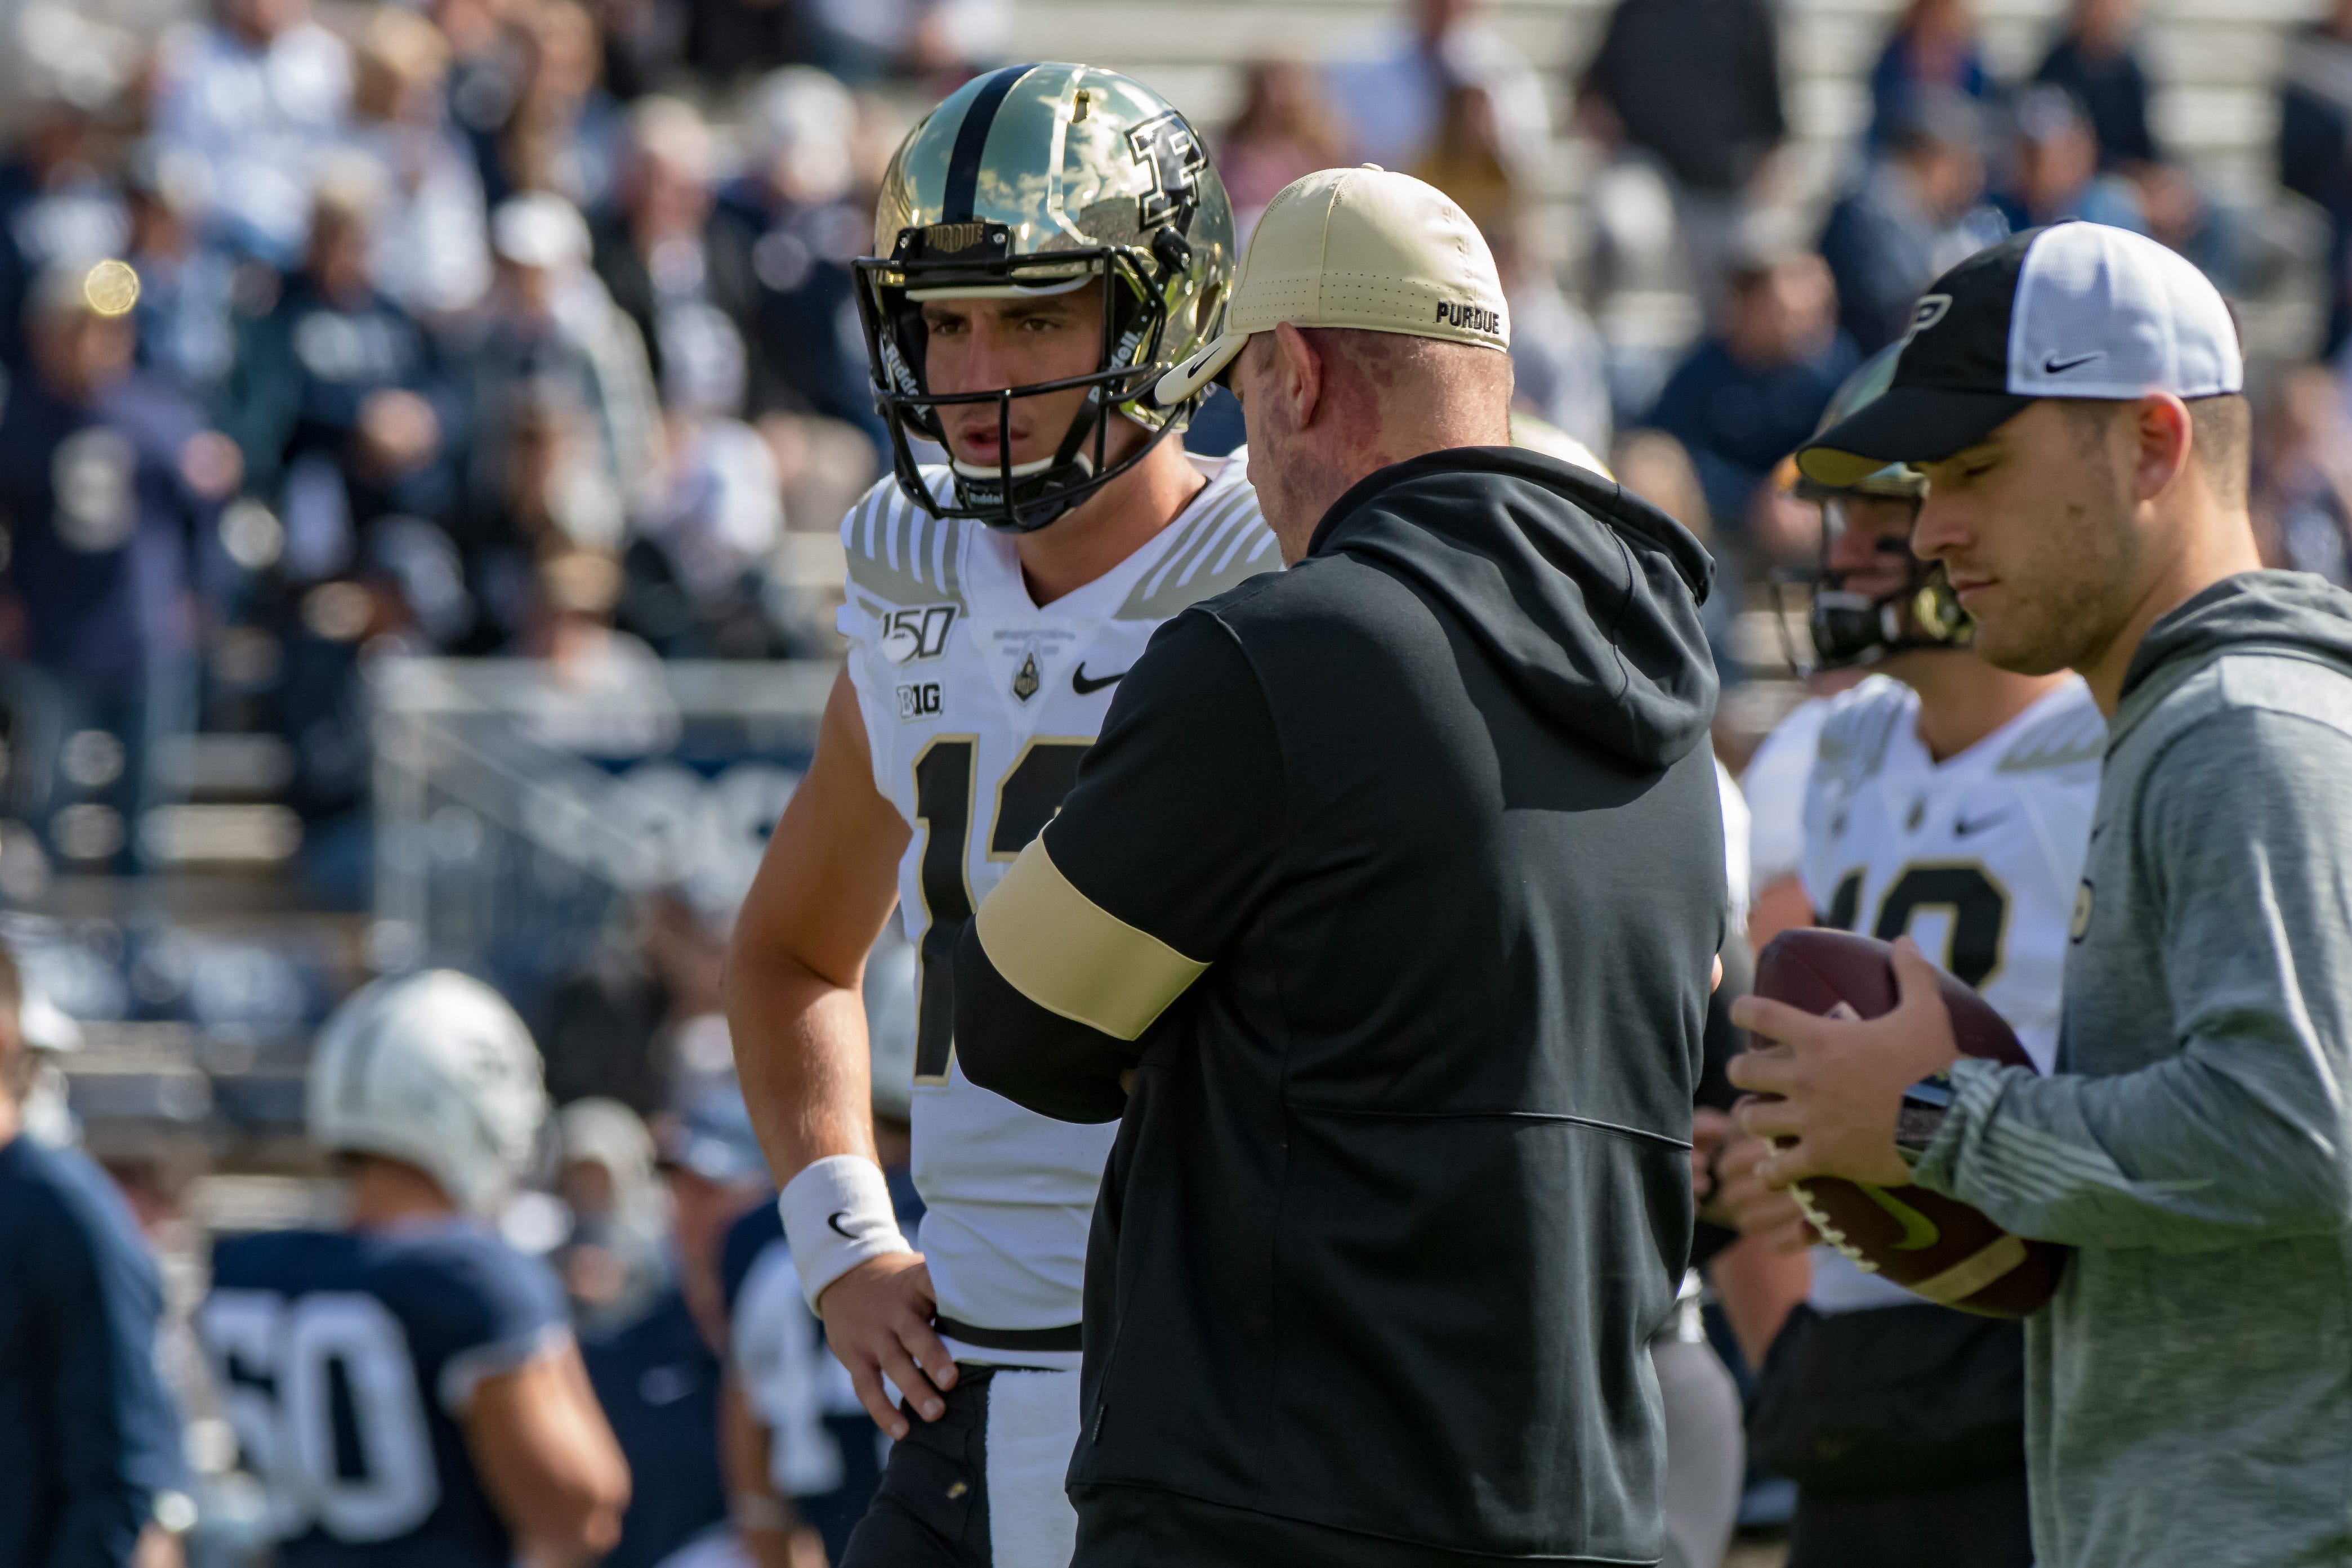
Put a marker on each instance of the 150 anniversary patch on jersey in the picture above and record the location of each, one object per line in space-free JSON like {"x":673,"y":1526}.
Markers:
{"x":921,"y":632}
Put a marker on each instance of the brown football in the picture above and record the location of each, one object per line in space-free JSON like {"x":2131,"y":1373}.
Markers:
{"x":1935,"y":1246}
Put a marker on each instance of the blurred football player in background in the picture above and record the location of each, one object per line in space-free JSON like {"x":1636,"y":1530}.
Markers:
{"x":90,"y":1470}
{"x":407,"y":1388}
{"x":995,"y":602}
{"x":611,"y":1263}
{"x":657,"y":1378}
{"x":1950,"y":801}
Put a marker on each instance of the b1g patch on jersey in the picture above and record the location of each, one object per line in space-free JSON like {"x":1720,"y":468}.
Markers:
{"x":919,"y":699}
{"x":921,"y":632}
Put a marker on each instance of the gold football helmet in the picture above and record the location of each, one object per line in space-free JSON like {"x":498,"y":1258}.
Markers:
{"x":1033,"y":179}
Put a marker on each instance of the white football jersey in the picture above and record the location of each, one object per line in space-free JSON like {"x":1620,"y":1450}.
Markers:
{"x":978,"y":705}
{"x":1977,"y":857}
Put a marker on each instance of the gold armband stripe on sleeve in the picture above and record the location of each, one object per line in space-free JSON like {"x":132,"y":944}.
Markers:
{"x":1071,"y":956}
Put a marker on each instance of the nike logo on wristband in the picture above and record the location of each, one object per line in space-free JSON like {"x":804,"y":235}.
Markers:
{"x":834,"y":1219}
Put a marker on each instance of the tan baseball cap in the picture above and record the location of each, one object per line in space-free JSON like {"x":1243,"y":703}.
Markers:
{"x":1363,"y":248}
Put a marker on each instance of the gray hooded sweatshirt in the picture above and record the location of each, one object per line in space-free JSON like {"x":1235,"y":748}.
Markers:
{"x":2189,"y":1393}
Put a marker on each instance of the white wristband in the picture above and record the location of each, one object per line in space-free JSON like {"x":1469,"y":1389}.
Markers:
{"x":836,"y":1215}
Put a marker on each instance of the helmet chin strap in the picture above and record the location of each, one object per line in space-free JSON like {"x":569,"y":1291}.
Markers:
{"x":1852,"y":628}
{"x":1032,"y":488}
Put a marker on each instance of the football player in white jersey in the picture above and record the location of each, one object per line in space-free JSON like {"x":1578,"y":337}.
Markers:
{"x":1951,"y":801}
{"x":1048,"y":240}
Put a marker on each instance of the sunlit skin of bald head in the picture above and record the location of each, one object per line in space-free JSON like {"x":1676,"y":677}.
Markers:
{"x":1326,"y":406}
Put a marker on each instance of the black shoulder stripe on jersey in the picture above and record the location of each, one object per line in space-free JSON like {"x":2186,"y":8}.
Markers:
{"x":972,"y":142}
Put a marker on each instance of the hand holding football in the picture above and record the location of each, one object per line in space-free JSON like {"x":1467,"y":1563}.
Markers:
{"x":1936,"y":1246}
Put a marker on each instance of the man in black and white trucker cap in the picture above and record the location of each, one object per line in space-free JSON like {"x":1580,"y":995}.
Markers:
{"x":2073,"y":397}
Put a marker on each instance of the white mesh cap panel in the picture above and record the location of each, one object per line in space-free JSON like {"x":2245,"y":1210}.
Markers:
{"x":2102,"y":312}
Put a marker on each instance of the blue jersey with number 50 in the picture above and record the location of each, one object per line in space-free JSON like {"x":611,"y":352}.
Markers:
{"x":347,"y":1362}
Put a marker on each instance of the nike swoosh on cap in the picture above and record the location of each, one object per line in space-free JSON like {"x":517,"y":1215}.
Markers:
{"x":2054,"y":366}
{"x":1083,"y":686}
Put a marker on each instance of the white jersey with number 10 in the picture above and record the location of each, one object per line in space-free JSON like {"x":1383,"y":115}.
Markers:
{"x":1976,"y":857}
{"x":978,"y":704}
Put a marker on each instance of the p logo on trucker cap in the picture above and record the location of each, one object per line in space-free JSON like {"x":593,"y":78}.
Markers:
{"x":1931,"y":308}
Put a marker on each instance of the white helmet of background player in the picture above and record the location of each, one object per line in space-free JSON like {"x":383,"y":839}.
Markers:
{"x":435,"y":1070}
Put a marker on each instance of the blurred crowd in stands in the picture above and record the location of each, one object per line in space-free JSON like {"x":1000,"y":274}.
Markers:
{"x":424,"y":331}
{"x":497,"y":327}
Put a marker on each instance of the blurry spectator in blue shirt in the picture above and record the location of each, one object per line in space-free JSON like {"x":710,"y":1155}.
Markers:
{"x":2096,"y":60}
{"x":560,"y":425}
{"x":108,"y":484}
{"x":791,"y":214}
{"x":692,"y":300}
{"x":431,"y":250}
{"x":695,"y":564}
{"x":187,"y":313}
{"x":259,"y":99}
{"x":89,"y":1441}
{"x":2314,"y":148}
{"x":1753,"y":390}
{"x":54,"y":206}
{"x":564,"y":133}
{"x":1696,"y":84}
{"x":2302,"y":501}
{"x":330,"y":398}
{"x":1934,"y":48}
{"x":1918,"y":210}
{"x":2054,"y":173}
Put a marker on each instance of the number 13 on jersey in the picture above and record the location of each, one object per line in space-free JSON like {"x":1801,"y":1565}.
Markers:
{"x":946,"y":783}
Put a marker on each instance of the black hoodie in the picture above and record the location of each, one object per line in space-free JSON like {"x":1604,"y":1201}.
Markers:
{"x":1396,"y":878}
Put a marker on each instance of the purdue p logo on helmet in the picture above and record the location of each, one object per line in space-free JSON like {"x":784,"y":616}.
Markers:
{"x":1037,"y":179}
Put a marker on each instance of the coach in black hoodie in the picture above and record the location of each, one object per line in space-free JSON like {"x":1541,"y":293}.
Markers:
{"x":1392,"y":888}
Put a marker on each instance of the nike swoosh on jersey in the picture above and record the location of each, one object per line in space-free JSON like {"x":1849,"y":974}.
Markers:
{"x":1084,"y":687}
{"x":1962,"y":828}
